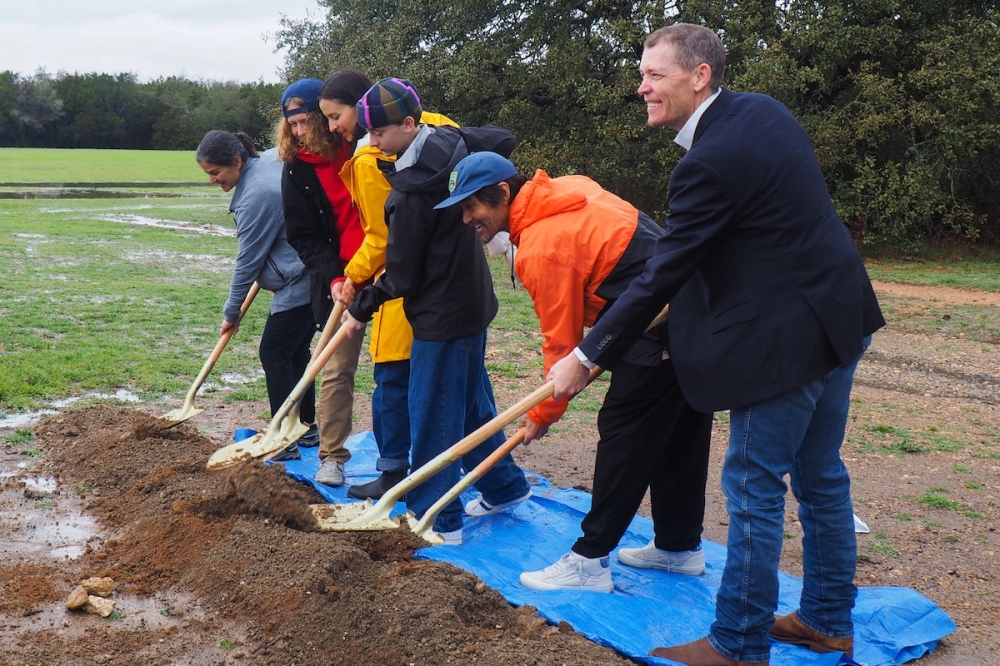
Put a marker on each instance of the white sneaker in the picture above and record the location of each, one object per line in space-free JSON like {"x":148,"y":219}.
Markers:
{"x":572,"y":572}
{"x":453,"y":538}
{"x":688,"y":562}
{"x":480,"y":507}
{"x":330,"y":473}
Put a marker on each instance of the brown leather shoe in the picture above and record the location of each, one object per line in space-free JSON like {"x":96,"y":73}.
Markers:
{"x":789,"y":629}
{"x":700,"y":653}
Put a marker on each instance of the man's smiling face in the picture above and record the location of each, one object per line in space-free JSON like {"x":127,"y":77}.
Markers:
{"x":487,"y":220}
{"x":669,"y":90}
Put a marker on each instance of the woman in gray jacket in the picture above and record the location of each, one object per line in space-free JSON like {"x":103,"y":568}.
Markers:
{"x":264,"y":256}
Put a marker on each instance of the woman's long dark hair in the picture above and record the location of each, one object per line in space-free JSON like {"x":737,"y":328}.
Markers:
{"x":220,"y":148}
{"x":346,"y":86}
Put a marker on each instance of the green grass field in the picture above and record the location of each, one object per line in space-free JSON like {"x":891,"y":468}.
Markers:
{"x":101,"y":294}
{"x":46,"y":165}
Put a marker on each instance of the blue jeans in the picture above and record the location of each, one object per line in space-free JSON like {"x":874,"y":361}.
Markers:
{"x":798,"y":433}
{"x":450,"y":397}
{"x":391,"y":415}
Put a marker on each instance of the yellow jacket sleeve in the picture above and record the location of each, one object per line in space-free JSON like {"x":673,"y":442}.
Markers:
{"x":369,"y":189}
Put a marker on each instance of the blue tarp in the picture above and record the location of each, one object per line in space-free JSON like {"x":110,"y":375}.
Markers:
{"x":892,"y":625}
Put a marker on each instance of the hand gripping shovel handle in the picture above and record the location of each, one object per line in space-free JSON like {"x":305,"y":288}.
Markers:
{"x":219,"y":346}
{"x":307,"y":379}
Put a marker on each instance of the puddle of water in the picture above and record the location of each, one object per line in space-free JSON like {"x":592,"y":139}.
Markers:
{"x":38,"y":518}
{"x":42,"y":484}
{"x":205,"y":262}
{"x":87,"y":193}
{"x":142,"y":220}
{"x":236,"y":378}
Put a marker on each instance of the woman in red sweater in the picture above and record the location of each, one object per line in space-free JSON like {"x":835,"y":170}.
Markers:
{"x":323,"y":226}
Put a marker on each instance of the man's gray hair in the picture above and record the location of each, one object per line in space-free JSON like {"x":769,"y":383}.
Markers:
{"x":693,"y":45}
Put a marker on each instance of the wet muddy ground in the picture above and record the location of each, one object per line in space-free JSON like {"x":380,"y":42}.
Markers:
{"x":223,"y":569}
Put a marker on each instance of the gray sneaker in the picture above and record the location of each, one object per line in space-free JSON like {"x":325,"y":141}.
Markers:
{"x":330,"y":473}
{"x":687,"y":562}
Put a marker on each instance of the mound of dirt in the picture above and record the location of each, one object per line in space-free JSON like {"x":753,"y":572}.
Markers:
{"x":243,"y":547}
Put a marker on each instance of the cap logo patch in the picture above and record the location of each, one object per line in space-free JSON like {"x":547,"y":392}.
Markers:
{"x":452,"y":181}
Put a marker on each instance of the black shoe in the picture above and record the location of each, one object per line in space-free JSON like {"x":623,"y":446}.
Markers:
{"x":289,"y":453}
{"x":310,"y":439}
{"x":380,"y":486}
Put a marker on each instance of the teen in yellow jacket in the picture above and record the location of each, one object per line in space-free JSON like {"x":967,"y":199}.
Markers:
{"x":391,"y":334}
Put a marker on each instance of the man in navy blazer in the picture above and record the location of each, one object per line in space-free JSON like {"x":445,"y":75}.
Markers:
{"x":770,"y":311}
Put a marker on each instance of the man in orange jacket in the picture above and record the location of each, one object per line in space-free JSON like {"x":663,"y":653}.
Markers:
{"x":579,"y":246}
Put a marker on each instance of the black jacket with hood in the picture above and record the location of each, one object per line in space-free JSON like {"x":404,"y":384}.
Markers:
{"x":433,"y":260}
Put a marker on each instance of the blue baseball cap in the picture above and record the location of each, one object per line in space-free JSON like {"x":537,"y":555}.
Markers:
{"x":475,"y":172}
{"x":305,"y":89}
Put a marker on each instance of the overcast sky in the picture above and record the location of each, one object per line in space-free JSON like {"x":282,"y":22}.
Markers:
{"x":222,"y":40}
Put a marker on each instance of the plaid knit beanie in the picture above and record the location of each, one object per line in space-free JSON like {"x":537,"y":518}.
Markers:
{"x":388,"y":102}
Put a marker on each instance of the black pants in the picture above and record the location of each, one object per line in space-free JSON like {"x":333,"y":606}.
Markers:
{"x":284,"y":353}
{"x":650,"y":438}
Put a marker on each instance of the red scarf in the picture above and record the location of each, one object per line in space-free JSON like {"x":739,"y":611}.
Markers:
{"x":350,"y":235}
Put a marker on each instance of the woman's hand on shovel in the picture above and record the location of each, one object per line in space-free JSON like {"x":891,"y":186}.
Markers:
{"x":232,"y":327}
{"x":343,"y":291}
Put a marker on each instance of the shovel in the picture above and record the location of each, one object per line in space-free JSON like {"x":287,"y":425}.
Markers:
{"x":285,"y":427}
{"x":187,"y":410}
{"x":332,"y":325}
{"x":367,"y":516}
{"x":425,"y":527}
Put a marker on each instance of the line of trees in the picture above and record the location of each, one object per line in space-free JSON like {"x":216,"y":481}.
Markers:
{"x":116,"y":111}
{"x":901,"y":97}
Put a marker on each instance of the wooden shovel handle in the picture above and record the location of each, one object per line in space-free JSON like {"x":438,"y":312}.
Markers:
{"x":221,"y":344}
{"x":332,"y":325}
{"x":307,"y":379}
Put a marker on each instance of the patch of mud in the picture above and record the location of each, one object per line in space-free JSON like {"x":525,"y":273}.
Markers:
{"x":267,"y":592}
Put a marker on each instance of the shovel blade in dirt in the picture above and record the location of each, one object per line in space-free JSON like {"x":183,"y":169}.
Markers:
{"x":340,"y":517}
{"x":263,"y":445}
{"x":187,"y":410}
{"x":181,"y":414}
{"x":364,"y":516}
